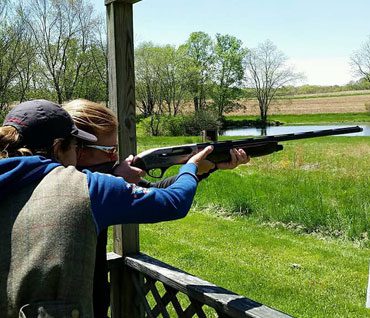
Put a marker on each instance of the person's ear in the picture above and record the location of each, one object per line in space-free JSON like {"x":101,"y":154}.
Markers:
{"x":56,"y":150}
{"x":81,"y":154}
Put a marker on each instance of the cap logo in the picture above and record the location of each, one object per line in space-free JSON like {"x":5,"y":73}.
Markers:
{"x":16,"y":121}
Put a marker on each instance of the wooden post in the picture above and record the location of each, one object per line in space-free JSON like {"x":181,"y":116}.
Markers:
{"x":121,"y":77}
{"x":209,"y":135}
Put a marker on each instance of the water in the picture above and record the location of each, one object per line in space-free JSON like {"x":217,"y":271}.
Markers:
{"x":279,"y":130}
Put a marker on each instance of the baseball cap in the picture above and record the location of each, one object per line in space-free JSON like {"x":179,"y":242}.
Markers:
{"x":39,"y":122}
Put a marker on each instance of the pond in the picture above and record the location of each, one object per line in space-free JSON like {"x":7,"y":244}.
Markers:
{"x":278,"y":130}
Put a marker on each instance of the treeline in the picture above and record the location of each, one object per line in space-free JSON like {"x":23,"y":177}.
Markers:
{"x":52,"y":49}
{"x":317,"y":89}
{"x":57,"y":49}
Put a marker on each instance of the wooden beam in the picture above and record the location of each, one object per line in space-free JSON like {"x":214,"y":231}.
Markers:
{"x":126,"y":1}
{"x":121,"y":78}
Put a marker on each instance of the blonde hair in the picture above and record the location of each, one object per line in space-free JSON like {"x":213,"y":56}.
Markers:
{"x":92,"y":117}
{"x":10,"y":143}
{"x":11,"y":146}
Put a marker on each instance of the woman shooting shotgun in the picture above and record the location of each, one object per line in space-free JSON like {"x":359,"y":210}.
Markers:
{"x":51,"y":213}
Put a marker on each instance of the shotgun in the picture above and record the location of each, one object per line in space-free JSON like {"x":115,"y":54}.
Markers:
{"x":156,"y":161}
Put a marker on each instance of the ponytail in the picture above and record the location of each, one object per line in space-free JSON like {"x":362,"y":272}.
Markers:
{"x":10,"y":145}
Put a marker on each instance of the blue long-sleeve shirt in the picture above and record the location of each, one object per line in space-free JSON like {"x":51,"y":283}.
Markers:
{"x":113,"y":200}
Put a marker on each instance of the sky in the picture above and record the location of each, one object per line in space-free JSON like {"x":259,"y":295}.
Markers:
{"x":318,"y":36}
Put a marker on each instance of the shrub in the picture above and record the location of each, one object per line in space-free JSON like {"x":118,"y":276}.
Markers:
{"x":189,"y":125}
{"x":152,"y":125}
{"x":174,"y":126}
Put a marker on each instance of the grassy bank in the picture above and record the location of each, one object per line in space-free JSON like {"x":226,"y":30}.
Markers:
{"x":320,"y":185}
{"x":308,"y":119}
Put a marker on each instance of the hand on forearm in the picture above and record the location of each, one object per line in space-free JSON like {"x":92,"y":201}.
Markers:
{"x":129,"y":173}
{"x":238,"y":157}
{"x":199,"y":158}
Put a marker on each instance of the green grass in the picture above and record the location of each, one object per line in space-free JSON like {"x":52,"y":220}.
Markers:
{"x":311,"y":118}
{"x":319,"y":184}
{"x":302,"y":275}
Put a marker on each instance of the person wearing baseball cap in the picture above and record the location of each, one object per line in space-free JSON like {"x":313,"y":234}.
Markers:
{"x":40,"y":124}
{"x":51,"y":213}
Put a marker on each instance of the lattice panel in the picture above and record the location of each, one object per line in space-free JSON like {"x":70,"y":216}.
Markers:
{"x":160,"y":300}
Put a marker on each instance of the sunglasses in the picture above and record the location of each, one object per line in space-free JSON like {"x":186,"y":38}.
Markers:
{"x":107,"y":149}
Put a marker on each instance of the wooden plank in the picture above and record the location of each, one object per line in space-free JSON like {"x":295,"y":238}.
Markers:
{"x":221,"y":299}
{"x":121,"y":78}
{"x":198,"y":308}
{"x":122,"y":98}
{"x":142,"y":297}
{"x":166,"y":299}
{"x":160,"y":308}
{"x":175,"y":302}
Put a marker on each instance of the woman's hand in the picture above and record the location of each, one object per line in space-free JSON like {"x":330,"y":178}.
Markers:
{"x":238,"y":157}
{"x":129,"y":173}
{"x":199,"y":158}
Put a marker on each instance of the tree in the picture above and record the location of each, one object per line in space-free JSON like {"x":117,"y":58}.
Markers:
{"x":199,"y":49}
{"x":172,"y":73}
{"x":266,"y":72}
{"x":63,"y":32}
{"x":99,"y":55}
{"x":148,"y":87}
{"x":228,"y":74}
{"x":360,"y":61}
{"x":13,"y":51}
{"x":161,"y":82}
{"x":25,"y":69}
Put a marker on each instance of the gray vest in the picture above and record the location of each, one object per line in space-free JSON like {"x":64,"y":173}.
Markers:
{"x":47,"y":248}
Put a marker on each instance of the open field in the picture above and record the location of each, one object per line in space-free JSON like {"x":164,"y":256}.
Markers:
{"x":310,"y":104}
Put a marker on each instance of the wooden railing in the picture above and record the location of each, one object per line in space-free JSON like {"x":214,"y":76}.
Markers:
{"x":165,"y":291}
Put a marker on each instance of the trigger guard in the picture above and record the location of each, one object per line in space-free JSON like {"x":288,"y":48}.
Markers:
{"x":157,"y":177}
